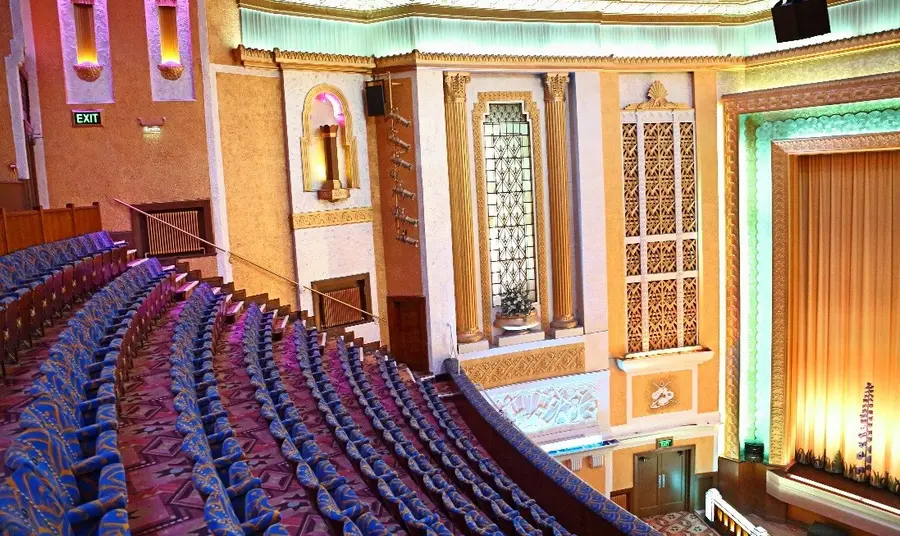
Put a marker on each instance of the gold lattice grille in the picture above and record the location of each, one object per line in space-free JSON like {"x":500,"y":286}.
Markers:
{"x":660,"y":251}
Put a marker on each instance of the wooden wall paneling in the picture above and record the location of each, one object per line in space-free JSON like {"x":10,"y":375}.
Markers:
{"x":623,"y":498}
{"x":703,"y":482}
{"x":728,"y":480}
{"x":408,"y":332}
{"x":4,"y":236}
{"x":87,"y":219}
{"x":58,"y":224}
{"x":23,"y":229}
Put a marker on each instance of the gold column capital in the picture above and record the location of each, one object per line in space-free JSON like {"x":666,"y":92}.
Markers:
{"x":462,"y":228}
{"x":555,"y":87}
{"x":455,"y":86}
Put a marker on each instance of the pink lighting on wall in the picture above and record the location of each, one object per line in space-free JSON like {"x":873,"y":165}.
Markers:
{"x":335,"y":105}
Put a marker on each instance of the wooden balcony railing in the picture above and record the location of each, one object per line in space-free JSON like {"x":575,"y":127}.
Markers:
{"x":26,"y":228}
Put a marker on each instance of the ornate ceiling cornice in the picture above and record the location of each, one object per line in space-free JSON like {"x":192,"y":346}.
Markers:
{"x":279,"y":59}
{"x":643,"y":12}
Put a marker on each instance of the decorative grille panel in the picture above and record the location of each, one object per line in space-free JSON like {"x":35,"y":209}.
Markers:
{"x":510,"y":199}
{"x":660,"y":229}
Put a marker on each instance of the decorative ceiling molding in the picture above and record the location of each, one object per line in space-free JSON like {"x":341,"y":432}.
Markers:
{"x":650,"y":12}
{"x":310,"y":61}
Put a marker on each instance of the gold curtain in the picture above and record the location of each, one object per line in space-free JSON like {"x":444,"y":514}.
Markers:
{"x":844,"y":302}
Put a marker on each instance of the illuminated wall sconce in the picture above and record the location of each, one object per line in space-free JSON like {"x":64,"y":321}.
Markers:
{"x":87,"y":67}
{"x":332,"y":189}
{"x":152,"y":126}
{"x":170,"y":55}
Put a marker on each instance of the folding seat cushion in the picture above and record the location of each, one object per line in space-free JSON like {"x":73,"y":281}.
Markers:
{"x":479,"y":525}
{"x":222,"y":520}
{"x":350,"y":529}
{"x":416,"y":528}
{"x":88,"y":492}
{"x":240,"y":481}
{"x":27,"y":506}
{"x":222,"y":456}
{"x":311,"y":452}
{"x":330,"y":511}
{"x":328,"y":476}
{"x":95,"y":407}
{"x":83,"y":442}
{"x":370,"y":526}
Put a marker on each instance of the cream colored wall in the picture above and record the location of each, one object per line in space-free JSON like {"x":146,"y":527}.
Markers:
{"x":251,"y":120}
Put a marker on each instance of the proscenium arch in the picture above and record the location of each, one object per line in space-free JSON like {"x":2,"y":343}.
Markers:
{"x":345,"y":131}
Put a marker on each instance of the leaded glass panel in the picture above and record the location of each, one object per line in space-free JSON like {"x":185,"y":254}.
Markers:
{"x":510,"y":199}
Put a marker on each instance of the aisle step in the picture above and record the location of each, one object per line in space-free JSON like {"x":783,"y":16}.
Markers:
{"x":184,"y":291}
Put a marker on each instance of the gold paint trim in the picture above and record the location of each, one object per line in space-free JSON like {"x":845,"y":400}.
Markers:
{"x":866,"y":88}
{"x":278,"y":59}
{"x":478,"y":112}
{"x":351,"y":164}
{"x":491,"y":14}
{"x":784,"y":153}
{"x":529,"y":365}
{"x":329,"y":218}
{"x":657,"y":100}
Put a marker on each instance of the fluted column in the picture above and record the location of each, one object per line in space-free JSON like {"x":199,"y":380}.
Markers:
{"x":555,"y":89}
{"x":461,"y":207}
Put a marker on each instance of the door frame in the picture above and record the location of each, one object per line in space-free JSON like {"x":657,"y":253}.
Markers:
{"x":691,"y":479}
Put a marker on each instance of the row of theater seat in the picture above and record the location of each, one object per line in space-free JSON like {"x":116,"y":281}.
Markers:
{"x":37,"y":283}
{"x":403,"y":502}
{"x":483,"y":486}
{"x":331,"y":493}
{"x":235,"y":503}
{"x":465,"y":514}
{"x":66,"y":472}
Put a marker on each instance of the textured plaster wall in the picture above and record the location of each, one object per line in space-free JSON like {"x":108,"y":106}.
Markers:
{"x":341,"y":250}
{"x":101,"y":90}
{"x":170,"y":90}
{"x":117,"y":160}
{"x":224,"y":30}
{"x":7,"y":146}
{"x":256,"y":183}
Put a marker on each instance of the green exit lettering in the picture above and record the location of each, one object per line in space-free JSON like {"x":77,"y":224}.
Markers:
{"x":86,"y":119}
{"x":664,"y":443}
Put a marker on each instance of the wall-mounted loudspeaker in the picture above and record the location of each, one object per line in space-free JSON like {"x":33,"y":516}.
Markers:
{"x":800,"y":19}
{"x":753,"y":451}
{"x":375,"y":98}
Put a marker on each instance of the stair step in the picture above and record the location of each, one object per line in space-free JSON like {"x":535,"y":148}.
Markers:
{"x":234,"y":311}
{"x":136,"y":262}
{"x":195,"y":275}
{"x":184,"y":291}
{"x":180,"y":278}
{"x":228,"y":287}
{"x":216,"y":291}
{"x":182,"y":267}
{"x":213,"y":281}
{"x":279,"y":327}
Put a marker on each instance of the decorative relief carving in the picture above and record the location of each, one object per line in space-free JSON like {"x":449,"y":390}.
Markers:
{"x":635,"y":318}
{"x":328,"y":218}
{"x":690,"y":312}
{"x":633,"y":259}
{"x":525,"y":366}
{"x":542,"y":408}
{"x":688,"y":179}
{"x":556,"y":86}
{"x":659,"y":178}
{"x":689,"y":255}
{"x":838,"y":92}
{"x":662,"y":310}
{"x":630,"y":170}
{"x":455,"y":85}
{"x":657,"y":100}
{"x":478,"y":112}
{"x":661,"y":257}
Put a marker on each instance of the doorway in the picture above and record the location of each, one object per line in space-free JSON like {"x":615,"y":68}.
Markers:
{"x":662,"y":481}
{"x":31,"y":199}
{"x":408,"y":331}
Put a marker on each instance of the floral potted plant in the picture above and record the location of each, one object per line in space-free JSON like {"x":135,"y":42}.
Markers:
{"x":516,"y":311}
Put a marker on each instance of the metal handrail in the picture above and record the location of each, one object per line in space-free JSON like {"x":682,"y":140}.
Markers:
{"x":248,"y":261}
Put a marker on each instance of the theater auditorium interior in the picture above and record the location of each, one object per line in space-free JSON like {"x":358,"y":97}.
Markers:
{"x":450,"y":267}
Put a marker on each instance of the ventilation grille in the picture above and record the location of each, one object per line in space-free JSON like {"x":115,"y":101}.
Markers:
{"x":163,"y":240}
{"x":338,"y":314}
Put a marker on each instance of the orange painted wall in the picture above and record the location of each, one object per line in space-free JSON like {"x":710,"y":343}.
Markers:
{"x":595,"y":476}
{"x":7,"y":149}
{"x":116,"y":160}
{"x":402,"y":262}
{"x":251,"y":120}
{"x":223,"y":30}
{"x":623,"y":459}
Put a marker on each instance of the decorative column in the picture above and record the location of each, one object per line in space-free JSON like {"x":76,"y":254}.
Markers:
{"x":555,"y":89}
{"x":467,"y":330}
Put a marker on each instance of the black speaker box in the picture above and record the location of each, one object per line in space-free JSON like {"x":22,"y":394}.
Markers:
{"x":753,"y":452}
{"x":375,"y":99}
{"x":800,"y":19}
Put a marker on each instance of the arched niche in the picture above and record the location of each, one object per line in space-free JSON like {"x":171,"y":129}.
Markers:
{"x":325,"y":102}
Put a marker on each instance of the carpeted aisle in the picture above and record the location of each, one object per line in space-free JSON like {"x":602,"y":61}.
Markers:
{"x":680,"y":523}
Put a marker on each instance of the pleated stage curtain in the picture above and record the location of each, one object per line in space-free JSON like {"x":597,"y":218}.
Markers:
{"x":844,"y":303}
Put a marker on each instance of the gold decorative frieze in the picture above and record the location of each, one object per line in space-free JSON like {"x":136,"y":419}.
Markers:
{"x":306,"y":61}
{"x":657,"y":100}
{"x":526,"y":366}
{"x":867,"y":88}
{"x":330,"y":218}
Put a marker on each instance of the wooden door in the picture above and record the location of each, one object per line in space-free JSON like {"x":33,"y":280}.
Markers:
{"x":408,"y":331}
{"x":662,"y":482}
{"x":673,"y":490}
{"x":646,"y":486}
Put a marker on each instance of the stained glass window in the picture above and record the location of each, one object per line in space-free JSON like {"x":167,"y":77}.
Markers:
{"x":510,"y":199}
{"x":660,"y":232}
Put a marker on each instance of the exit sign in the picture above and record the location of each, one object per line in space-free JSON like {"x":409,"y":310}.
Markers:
{"x":82,"y":118}
{"x":664,"y":442}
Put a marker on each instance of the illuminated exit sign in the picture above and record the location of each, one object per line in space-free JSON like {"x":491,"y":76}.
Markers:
{"x":81,"y":118}
{"x":664,"y":443}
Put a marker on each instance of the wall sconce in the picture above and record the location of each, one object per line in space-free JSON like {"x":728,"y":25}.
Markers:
{"x":87,"y":67}
{"x":332,"y":190}
{"x":152,"y":126}
{"x":169,"y":53}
